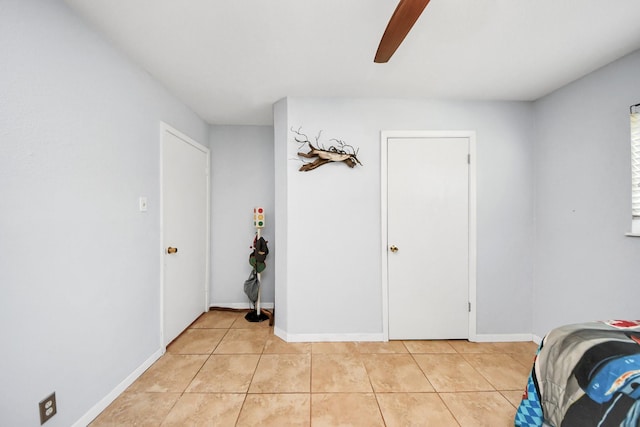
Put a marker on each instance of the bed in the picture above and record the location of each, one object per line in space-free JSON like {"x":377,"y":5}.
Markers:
{"x":585,"y":375}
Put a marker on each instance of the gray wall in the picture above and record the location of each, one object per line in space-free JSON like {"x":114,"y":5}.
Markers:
{"x":585,"y":267}
{"x":332,"y":215}
{"x":79,"y":264}
{"x":242,"y":177}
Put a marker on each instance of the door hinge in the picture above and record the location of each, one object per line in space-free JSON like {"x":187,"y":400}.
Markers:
{"x":469,"y":307}
{"x":469,"y":159}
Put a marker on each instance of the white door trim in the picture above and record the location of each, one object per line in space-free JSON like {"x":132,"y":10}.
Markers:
{"x":384,"y":136}
{"x":165,"y":128}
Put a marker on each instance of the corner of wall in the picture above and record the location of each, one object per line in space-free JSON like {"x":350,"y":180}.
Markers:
{"x":280,"y":131}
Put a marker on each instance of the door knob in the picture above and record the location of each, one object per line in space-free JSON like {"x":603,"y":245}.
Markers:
{"x":171,"y":250}
{"x":393,"y":248}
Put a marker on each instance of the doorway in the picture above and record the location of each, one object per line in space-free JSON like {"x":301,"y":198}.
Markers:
{"x":428,"y":221}
{"x":185,"y":231}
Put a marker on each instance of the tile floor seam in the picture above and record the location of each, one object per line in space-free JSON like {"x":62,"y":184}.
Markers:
{"x":310,"y":395}
{"x":449,"y":408}
{"x":196,"y":374}
{"x":495,"y":388}
{"x":310,"y":375}
{"x":171,"y":408}
{"x":373,"y":389}
{"x":422,"y":370}
{"x":379,"y":408}
{"x":254,"y":373}
{"x":244,"y":401}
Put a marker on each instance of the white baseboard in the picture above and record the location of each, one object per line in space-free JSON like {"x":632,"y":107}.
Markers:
{"x":501,"y":337}
{"x":377,"y":337}
{"x":106,"y":401}
{"x":537,"y":339}
{"x":241,"y":305}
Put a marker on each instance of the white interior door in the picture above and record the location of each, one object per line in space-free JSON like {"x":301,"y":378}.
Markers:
{"x":428,"y":223}
{"x":185,"y":217}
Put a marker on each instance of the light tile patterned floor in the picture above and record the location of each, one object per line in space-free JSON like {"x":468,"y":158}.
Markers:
{"x":225,"y":371}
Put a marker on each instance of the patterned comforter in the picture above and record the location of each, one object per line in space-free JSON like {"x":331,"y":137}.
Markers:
{"x":585,"y":375}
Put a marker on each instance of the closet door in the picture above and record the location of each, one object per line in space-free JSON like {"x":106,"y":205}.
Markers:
{"x":428,"y":237}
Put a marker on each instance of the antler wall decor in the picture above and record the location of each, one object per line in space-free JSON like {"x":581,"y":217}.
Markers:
{"x":340,"y":152}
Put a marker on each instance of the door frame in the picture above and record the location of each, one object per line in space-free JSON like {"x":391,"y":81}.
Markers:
{"x":384,"y":137}
{"x":164,"y":129}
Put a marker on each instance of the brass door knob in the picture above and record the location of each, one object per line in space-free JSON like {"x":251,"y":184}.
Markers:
{"x":171,"y":250}
{"x":393,"y":248}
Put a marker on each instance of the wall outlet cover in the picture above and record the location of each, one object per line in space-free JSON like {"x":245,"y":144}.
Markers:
{"x":48,"y":408}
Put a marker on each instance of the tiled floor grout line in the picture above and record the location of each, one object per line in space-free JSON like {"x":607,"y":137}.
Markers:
{"x":480,"y":373}
{"x":434,"y":388}
{"x":379,"y":408}
{"x":182,"y":393}
{"x":449,"y":409}
{"x":246,"y":393}
{"x":373,"y":389}
{"x":310,"y":383}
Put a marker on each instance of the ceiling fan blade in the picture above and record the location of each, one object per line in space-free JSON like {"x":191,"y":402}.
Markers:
{"x":406,"y":14}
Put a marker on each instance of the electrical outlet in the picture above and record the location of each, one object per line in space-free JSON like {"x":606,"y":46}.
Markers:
{"x":48,"y":408}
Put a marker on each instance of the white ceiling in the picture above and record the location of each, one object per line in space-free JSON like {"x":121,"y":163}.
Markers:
{"x":231,"y":60}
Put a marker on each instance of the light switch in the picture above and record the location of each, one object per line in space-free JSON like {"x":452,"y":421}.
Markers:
{"x":142,"y":201}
